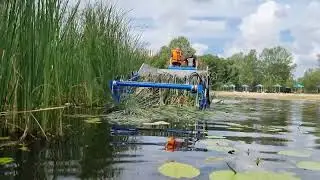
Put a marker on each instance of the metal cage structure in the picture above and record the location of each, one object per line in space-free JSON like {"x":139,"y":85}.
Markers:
{"x":196,"y":82}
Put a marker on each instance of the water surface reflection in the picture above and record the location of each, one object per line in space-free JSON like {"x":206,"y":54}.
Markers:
{"x":265,"y":127}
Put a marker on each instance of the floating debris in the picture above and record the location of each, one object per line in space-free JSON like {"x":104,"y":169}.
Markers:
{"x":235,"y":125}
{"x":235,"y":128}
{"x":157,"y":123}
{"x":8,"y":144}
{"x":24,"y":148}
{"x":179,"y":170}
{"x":215,"y":137}
{"x":4,"y":138}
{"x":93,"y":121}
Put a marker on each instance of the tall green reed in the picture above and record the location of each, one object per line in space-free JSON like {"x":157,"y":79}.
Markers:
{"x":52,"y":53}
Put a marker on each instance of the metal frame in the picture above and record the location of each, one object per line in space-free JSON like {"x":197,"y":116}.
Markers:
{"x":182,"y":68}
{"x":201,"y":89}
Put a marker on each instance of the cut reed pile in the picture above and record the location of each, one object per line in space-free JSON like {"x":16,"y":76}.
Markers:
{"x":154,"y":104}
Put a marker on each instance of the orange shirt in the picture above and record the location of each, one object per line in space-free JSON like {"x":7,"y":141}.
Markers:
{"x":171,"y":144}
{"x":176,"y":55}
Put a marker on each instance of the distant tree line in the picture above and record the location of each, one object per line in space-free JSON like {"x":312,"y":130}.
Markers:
{"x":311,"y":80}
{"x":272,"y":67}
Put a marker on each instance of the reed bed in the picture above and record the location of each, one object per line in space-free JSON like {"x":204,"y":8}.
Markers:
{"x":52,"y":53}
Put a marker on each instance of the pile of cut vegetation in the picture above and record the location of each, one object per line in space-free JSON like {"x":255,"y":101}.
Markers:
{"x":154,"y":104}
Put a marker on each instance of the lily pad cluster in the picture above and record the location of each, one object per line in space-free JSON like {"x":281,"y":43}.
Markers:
{"x":181,"y":170}
{"x":309,"y":165}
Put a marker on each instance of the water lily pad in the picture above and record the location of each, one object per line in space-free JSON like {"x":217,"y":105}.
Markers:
{"x":6,"y":160}
{"x":213,"y":159}
{"x":261,"y":175}
{"x":310,"y":165}
{"x":93,"y":121}
{"x":303,"y":153}
{"x":215,"y":137}
{"x":178,"y":170}
{"x":222,"y":175}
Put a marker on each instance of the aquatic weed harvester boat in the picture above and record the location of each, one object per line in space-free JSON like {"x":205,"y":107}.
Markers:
{"x":181,"y":80}
{"x":191,"y":80}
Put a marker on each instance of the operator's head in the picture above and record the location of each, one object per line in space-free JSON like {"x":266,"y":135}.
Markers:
{"x":177,"y":48}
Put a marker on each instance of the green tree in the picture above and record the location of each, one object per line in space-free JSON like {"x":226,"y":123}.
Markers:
{"x":215,"y":67}
{"x":236,"y":63}
{"x":182,"y":43}
{"x":278,"y":66}
{"x":311,"y":80}
{"x":248,"y":68}
{"x":161,"y":59}
{"x":232,"y":72}
{"x":222,"y":71}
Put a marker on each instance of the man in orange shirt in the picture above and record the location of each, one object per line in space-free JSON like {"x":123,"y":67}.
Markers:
{"x":176,"y":57}
{"x":172,"y":144}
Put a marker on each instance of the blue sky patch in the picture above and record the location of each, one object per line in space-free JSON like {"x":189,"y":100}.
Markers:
{"x":286,"y":36}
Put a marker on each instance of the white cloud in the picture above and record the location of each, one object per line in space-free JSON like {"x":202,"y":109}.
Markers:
{"x":195,"y":8}
{"x":205,"y":28}
{"x":200,"y":48}
{"x":171,"y":19}
{"x":262,"y":29}
{"x":262,"y":21}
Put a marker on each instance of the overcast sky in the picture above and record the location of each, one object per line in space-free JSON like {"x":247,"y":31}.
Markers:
{"x":224,"y":27}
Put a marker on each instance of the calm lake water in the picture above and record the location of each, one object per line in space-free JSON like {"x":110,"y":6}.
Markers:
{"x":265,"y":127}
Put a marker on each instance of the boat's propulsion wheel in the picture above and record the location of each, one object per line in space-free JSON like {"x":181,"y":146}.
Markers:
{"x":202,"y":96}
